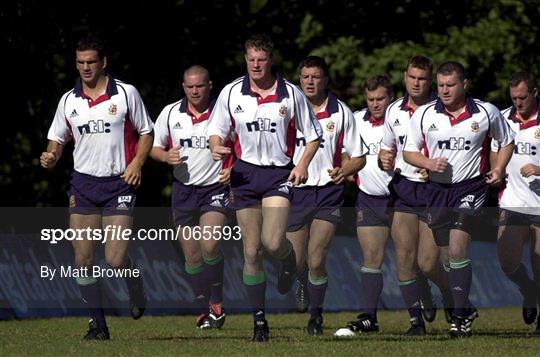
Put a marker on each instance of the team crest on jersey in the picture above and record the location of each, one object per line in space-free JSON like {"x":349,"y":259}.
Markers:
{"x":72,"y":202}
{"x":537,"y":133}
{"x":283,"y":111}
{"x":475,"y":126}
{"x":330,"y":126}
{"x":113,"y":109}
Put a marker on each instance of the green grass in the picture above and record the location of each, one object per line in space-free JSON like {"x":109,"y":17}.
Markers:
{"x":496,"y":332}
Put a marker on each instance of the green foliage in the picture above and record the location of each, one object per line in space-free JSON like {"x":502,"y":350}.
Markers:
{"x":491,"y":47}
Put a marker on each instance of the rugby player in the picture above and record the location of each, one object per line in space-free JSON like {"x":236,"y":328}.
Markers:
{"x":315,"y":207}
{"x":413,"y":240}
{"x":112,"y":135}
{"x":200,"y":191}
{"x":520,"y":197}
{"x":454,"y":131}
{"x":264,"y":111}
{"x":373,"y":220}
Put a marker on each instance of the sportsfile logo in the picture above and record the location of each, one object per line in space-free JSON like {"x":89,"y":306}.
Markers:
{"x":454,"y":144}
{"x":261,"y":124}
{"x":94,"y":127}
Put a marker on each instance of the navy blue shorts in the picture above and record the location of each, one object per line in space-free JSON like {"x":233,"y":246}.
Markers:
{"x":310,"y":202}
{"x":409,"y":196}
{"x":372,"y":211}
{"x":513,"y":218}
{"x":446,"y":201}
{"x":108,"y":196}
{"x":251,"y":183}
{"x":189,"y":202}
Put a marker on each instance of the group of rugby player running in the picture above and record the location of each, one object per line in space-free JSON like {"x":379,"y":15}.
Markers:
{"x":279,"y":156}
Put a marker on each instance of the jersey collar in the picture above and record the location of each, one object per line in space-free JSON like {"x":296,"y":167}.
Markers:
{"x":331,"y":107}
{"x":204,"y":116}
{"x":374,"y":122}
{"x":405,"y":102}
{"x":109,"y":91}
{"x":281,"y":91}
{"x":470,"y":109}
{"x":530,"y":123}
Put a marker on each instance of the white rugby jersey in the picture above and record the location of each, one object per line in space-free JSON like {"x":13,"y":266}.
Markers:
{"x":177,"y":126}
{"x":398,"y":115}
{"x":339,"y":135}
{"x":264,"y":128}
{"x":371,"y":179}
{"x":463,"y":140}
{"x":522,"y":194}
{"x":104,"y":131}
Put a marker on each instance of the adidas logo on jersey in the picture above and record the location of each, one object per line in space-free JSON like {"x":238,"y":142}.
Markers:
{"x":238,"y":110}
{"x":73,"y":114}
{"x":396,"y":123}
{"x":177,"y":126}
{"x":336,"y":213}
{"x":432,"y":127}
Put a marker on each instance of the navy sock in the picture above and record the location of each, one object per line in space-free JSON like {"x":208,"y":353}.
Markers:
{"x":214,"y":269}
{"x":200,"y":287}
{"x":410,"y":290}
{"x":521,"y":278}
{"x":289,"y":260}
{"x":91,"y":293}
{"x":371,"y":285}
{"x":460,"y":279}
{"x":256,"y":291}
{"x":317,"y":290}
{"x":132,"y":283}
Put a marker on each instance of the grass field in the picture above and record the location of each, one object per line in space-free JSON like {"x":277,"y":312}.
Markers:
{"x":497,"y":332}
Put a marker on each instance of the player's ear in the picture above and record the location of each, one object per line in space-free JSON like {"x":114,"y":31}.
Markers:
{"x":535,"y":92}
{"x":465,"y":83}
{"x":104,"y":62}
{"x":210,"y":85}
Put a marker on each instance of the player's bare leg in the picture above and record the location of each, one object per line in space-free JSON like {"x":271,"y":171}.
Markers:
{"x":117,"y":258}
{"x":405,"y":233}
{"x":299,"y":240}
{"x":275,"y":211}
{"x":250,"y":221}
{"x":430,"y":265}
{"x":510,"y":245}
{"x":89,"y":285}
